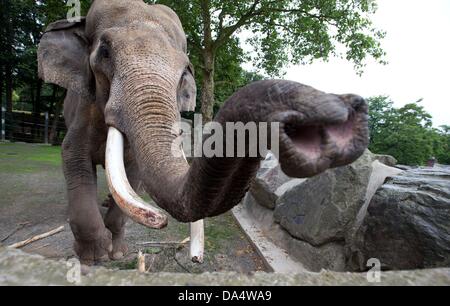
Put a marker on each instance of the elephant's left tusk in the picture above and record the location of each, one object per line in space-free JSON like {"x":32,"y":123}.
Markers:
{"x":124,"y":195}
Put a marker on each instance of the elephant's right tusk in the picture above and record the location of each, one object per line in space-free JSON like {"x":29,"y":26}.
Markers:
{"x":124,"y":195}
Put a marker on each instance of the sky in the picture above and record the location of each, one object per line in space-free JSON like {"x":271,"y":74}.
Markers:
{"x":418,"y":52}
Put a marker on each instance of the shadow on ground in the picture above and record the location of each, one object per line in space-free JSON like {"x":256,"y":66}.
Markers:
{"x":33,"y":201}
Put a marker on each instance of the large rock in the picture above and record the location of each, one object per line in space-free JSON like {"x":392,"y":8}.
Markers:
{"x":342,"y":218}
{"x":386,"y":159}
{"x":407,"y":225}
{"x":268,"y":180}
{"x":311,"y":219}
{"x":324,"y":208}
{"x":330,"y":256}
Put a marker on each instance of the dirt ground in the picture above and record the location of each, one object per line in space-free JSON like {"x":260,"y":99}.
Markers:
{"x":33,"y":201}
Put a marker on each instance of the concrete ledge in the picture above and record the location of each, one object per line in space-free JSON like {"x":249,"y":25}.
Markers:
{"x":18,"y":268}
{"x":276,"y":259}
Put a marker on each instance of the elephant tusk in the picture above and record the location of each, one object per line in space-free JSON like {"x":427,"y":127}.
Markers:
{"x":197,"y":245}
{"x":124,"y":195}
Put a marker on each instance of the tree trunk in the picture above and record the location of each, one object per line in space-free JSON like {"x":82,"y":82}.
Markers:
{"x":37,"y":111}
{"x":1,"y":85}
{"x":9,"y":102}
{"x":9,"y":88}
{"x":51,"y":109}
{"x":37,"y":98}
{"x":54,"y":131}
{"x":2,"y":81}
{"x":208,"y":64}
{"x":9,"y":67}
{"x":208,"y":99}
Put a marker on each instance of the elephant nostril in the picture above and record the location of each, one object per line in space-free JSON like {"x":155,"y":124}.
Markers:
{"x":358,"y":103}
{"x":307,"y":139}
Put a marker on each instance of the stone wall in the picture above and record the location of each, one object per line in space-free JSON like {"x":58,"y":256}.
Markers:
{"x":342,"y":218}
{"x":18,"y":268}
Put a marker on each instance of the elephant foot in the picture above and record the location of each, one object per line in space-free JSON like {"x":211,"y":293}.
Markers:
{"x":120,"y":248}
{"x":94,"y":251}
{"x":115,"y":221}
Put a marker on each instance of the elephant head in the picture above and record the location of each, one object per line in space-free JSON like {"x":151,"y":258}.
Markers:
{"x":130,"y":59}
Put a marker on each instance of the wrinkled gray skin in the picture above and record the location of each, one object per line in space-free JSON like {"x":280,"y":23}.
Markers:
{"x":126,"y":66}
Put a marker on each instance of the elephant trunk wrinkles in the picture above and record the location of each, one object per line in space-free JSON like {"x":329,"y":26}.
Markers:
{"x":212,"y":186}
{"x":150,"y":113}
{"x":187,"y":193}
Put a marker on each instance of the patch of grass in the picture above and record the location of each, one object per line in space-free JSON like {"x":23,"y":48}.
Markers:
{"x":152,"y":251}
{"x":30,"y":175}
{"x":127,"y":265}
{"x":17,"y":158}
{"x":219,"y":232}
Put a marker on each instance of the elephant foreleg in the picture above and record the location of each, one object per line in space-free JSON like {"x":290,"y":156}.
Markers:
{"x":92,"y":240}
{"x":115,"y":219}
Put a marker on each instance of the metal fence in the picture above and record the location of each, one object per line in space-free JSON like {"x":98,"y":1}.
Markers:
{"x":26,"y":127}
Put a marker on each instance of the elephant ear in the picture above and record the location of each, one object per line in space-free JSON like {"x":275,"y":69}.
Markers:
{"x":63,"y":57}
{"x":187,"y":91}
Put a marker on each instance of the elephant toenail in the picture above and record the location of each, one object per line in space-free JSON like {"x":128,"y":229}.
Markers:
{"x":118,"y":255}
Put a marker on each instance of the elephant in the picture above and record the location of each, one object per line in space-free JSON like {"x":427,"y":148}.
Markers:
{"x":128,"y":76}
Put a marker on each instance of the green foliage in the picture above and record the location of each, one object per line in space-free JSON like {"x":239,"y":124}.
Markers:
{"x":442,"y":144}
{"x":285,"y":31}
{"x":54,"y":10}
{"x":405,"y":133}
{"x":23,"y":23}
{"x":281,"y":32}
{"x":229,"y":74}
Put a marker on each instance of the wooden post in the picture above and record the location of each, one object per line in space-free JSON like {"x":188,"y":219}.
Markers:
{"x":197,"y":229}
{"x":141,"y":262}
{"x":197,"y":247}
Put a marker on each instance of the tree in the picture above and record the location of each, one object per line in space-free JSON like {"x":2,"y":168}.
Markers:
{"x":7,"y":40}
{"x":381,"y":113}
{"x":443,"y":144}
{"x":229,"y":75}
{"x":406,"y":133}
{"x":282,"y":32}
{"x":22,"y":23}
{"x":53,"y":10}
{"x":13,"y":19}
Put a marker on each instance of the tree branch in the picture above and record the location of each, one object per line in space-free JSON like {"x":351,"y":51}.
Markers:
{"x":206,"y":15}
{"x":227,"y":32}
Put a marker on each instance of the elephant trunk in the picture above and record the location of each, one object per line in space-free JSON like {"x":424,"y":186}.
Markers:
{"x":317,"y":131}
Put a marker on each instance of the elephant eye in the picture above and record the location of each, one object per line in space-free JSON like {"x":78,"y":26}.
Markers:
{"x":103,"y":52}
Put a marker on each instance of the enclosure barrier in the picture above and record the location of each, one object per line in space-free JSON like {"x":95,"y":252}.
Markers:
{"x":26,"y":127}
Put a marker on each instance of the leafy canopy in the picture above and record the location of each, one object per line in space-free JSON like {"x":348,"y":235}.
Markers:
{"x":285,"y":31}
{"x":406,"y":133}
